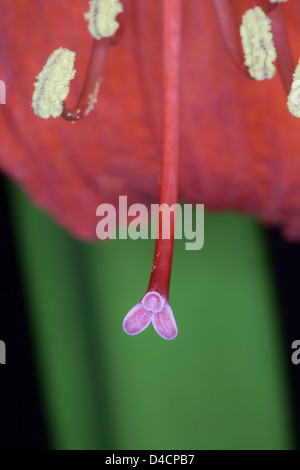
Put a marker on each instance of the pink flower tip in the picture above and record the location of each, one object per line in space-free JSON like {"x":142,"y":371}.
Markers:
{"x":152,"y":308}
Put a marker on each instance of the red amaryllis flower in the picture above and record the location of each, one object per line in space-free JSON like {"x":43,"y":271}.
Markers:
{"x":238,"y":145}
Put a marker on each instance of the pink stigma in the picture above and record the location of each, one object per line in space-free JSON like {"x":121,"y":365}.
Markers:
{"x":152,"y":308}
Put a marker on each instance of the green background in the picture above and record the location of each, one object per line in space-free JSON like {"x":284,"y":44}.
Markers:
{"x":221,"y":384}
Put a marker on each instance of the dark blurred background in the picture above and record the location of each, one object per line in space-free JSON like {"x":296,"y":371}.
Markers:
{"x":22,"y":424}
{"x":22,"y":419}
{"x":285,"y":259}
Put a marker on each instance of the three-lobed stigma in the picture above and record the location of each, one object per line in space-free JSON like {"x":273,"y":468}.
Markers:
{"x":152,"y":308}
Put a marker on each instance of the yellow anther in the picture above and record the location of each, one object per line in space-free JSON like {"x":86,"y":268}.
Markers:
{"x":102,"y":17}
{"x":294,"y":96}
{"x":258,"y":45}
{"x":52,"y":85}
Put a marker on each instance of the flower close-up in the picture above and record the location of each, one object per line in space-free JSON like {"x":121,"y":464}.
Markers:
{"x":256,"y":171}
{"x":169,"y":102}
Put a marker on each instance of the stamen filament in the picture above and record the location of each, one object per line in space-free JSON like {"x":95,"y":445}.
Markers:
{"x":89,"y":93}
{"x":285,"y":63}
{"x":91,"y":84}
{"x":265,"y":5}
{"x":230,"y":31}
